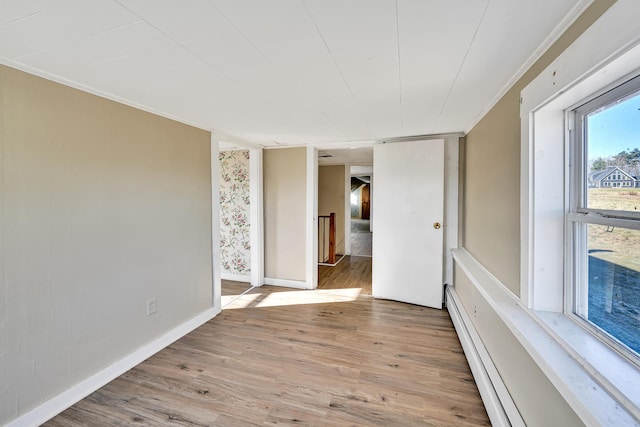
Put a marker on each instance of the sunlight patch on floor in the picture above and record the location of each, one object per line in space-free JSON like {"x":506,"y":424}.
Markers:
{"x":228,"y":299}
{"x":294,"y":297}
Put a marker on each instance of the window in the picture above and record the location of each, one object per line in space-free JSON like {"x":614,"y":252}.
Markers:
{"x":604,"y":223}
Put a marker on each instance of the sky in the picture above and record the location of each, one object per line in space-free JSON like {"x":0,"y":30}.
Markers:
{"x":615,"y":129}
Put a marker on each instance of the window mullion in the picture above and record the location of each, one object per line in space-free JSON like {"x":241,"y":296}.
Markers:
{"x":591,"y":218}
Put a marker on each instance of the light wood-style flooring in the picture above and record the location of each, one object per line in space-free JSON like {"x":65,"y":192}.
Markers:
{"x":231,"y":287}
{"x":277,"y":356}
{"x":351,"y":272}
{"x":361,"y":237}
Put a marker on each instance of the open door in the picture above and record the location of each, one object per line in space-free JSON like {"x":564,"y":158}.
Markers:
{"x":408,"y":185}
{"x":365,"y":202}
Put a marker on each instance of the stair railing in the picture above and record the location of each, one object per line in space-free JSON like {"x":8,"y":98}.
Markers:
{"x":327,"y":238}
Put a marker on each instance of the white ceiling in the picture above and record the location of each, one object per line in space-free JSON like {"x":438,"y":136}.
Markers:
{"x":348,"y":156}
{"x":291,"y":72}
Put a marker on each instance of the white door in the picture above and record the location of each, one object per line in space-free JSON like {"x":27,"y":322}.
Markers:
{"x":408,"y":186}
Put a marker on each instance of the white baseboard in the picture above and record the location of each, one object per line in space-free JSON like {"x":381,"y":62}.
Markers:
{"x":297,"y":284}
{"x":500,"y":407}
{"x":235,"y":277}
{"x":334,"y":264}
{"x":64,"y":400}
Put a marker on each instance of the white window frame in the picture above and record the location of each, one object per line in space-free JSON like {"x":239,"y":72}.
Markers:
{"x":580,"y":215}
{"x":602,"y":57}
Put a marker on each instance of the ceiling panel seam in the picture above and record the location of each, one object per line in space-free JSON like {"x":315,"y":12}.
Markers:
{"x":191,"y":52}
{"x":276,"y":68}
{"x":455,"y":80}
{"x":399,"y":68}
{"x":335,"y":63}
{"x":22,"y":18}
{"x":326,"y":46}
{"x":119,"y":27}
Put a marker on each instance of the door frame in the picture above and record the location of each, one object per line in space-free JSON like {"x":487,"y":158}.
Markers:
{"x":216,"y":264}
{"x":256,"y":216}
{"x":347,"y":199}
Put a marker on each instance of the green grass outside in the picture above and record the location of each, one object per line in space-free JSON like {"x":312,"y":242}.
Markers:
{"x":620,"y":246}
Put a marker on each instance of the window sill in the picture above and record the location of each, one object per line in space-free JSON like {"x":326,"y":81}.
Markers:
{"x":597,"y":383}
{"x":617,"y":375}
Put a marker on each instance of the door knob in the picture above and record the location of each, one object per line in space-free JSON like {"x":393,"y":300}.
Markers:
{"x":436,"y":225}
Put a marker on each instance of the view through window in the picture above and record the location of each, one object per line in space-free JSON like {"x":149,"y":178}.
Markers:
{"x":607,"y":238}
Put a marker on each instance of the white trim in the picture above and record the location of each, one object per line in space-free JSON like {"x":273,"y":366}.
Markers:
{"x":553,"y":36}
{"x":326,"y":264}
{"x":235,"y":277}
{"x":312,"y":219}
{"x":347,"y":209}
{"x":497,"y":401}
{"x":216,"y":264}
{"x":584,"y":395}
{"x":450,"y":212}
{"x":286,"y":283}
{"x":241,"y":143}
{"x":64,"y":400}
{"x":256,"y":213}
{"x":547,"y":211}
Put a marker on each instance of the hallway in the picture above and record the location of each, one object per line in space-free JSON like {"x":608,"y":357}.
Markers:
{"x":361,"y":237}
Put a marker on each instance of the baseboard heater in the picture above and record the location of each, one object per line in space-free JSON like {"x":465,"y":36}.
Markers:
{"x":500,"y":407}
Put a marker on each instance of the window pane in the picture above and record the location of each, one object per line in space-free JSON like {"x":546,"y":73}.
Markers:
{"x":613,"y":155}
{"x":613,"y":289}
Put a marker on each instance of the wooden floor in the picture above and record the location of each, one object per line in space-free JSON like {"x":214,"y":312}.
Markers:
{"x":280,"y":356}
{"x":351,"y":272}
{"x":231,"y":287}
{"x":231,"y":290}
{"x":361,"y":238}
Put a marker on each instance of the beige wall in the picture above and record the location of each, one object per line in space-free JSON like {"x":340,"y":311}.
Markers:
{"x":103,"y":208}
{"x":285,"y":206}
{"x":331,"y":188}
{"x":491,"y":215}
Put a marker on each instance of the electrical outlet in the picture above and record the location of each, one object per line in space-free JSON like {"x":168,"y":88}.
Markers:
{"x":152,"y":306}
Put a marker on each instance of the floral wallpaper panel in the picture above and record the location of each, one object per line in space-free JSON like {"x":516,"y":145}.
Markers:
{"x":234,"y":212}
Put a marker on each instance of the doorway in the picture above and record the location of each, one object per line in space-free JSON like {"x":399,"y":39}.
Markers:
{"x":361,"y":236}
{"x":354,"y":271}
{"x":235,"y":224}
{"x":336,"y":168}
